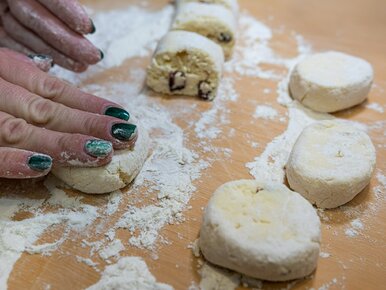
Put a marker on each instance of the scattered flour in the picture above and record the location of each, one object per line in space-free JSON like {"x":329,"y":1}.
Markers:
{"x":129,"y":273}
{"x":375,"y":107}
{"x":112,"y":250}
{"x":265,"y":112}
{"x":324,"y":255}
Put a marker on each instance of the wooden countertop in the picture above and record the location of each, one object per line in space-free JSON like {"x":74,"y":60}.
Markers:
{"x":353,"y":26}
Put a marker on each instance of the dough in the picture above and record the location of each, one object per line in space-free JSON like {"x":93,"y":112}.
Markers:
{"x":262,"y":230}
{"x":331,"y":81}
{"x":212,"y":21}
{"x":229,"y":4}
{"x":331,"y":163}
{"x":121,"y":171}
{"x":186,"y":63}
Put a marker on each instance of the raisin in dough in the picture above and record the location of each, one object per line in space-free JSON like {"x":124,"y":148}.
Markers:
{"x":331,"y":163}
{"x":331,"y":81}
{"x":232,"y":5}
{"x":212,"y":21}
{"x":186,"y":63}
{"x":121,"y":171}
{"x":262,"y":230}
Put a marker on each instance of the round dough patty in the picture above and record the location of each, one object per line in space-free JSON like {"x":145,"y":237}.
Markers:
{"x":121,"y":171}
{"x":331,"y":81}
{"x":262,"y":230}
{"x":331,"y":163}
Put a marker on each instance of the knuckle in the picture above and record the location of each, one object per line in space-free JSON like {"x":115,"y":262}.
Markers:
{"x":93,"y":125}
{"x":41,"y":111}
{"x":13,"y":131}
{"x":52,"y":87}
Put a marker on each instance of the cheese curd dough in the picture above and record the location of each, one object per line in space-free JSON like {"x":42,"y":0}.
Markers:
{"x":331,"y":81}
{"x":262,"y":230}
{"x":186,"y":63}
{"x":331,"y":163}
{"x":212,"y":21}
{"x":232,"y":5}
{"x":120,"y":172}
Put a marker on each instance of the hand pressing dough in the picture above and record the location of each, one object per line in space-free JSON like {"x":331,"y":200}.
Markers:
{"x":331,"y":81}
{"x":212,"y":21}
{"x":331,"y":163}
{"x":186,"y":63}
{"x":229,"y":4}
{"x":262,"y":230}
{"x":120,"y":172}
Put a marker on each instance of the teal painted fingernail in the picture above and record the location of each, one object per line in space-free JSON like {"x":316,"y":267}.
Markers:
{"x":123,"y":132}
{"x":40,"y":162}
{"x":118,"y":113}
{"x":98,"y":148}
{"x":102,"y":55}
{"x":93,"y":29}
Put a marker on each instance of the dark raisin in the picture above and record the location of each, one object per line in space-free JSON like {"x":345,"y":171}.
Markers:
{"x":225,"y":37}
{"x":177,"y":81}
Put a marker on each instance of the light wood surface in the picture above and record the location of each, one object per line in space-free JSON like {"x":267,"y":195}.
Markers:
{"x":354,"y":26}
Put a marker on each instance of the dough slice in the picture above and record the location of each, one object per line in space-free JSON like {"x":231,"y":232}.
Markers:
{"x":186,"y":63}
{"x":331,"y":163}
{"x":232,"y":5}
{"x":212,"y":21}
{"x":331,"y":81}
{"x":262,"y":230}
{"x":121,"y":171}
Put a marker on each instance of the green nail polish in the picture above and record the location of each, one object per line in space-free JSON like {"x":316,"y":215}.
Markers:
{"x":98,"y":148}
{"x":39,"y":162}
{"x":118,"y":113}
{"x":123,"y":132}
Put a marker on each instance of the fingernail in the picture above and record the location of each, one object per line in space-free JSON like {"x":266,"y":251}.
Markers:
{"x":39,"y":56}
{"x":118,"y":113}
{"x":43,"y":61}
{"x":102,"y":54}
{"x":39,"y":162}
{"x":123,"y":132}
{"x":93,"y":29}
{"x":98,"y":148}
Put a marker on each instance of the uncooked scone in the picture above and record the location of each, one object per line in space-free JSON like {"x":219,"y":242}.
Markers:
{"x":331,"y":81}
{"x":331,"y":163}
{"x":229,"y":4}
{"x":212,"y":21}
{"x":186,"y":63}
{"x":121,"y":171}
{"x":262,"y":230}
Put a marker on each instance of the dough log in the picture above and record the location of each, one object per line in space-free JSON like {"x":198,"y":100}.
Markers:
{"x":262,"y":230}
{"x":186,"y":63}
{"x":229,"y":4}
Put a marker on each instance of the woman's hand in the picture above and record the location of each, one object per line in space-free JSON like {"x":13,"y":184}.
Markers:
{"x":44,"y":121}
{"x":54,"y":28}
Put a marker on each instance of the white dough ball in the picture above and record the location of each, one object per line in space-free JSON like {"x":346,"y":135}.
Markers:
{"x":262,"y":230}
{"x":331,"y":81}
{"x":120,"y":172}
{"x":331,"y":163}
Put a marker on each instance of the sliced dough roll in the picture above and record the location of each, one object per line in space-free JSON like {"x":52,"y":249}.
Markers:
{"x":331,"y":81}
{"x":331,"y":163}
{"x":262,"y":230}
{"x":212,"y":21}
{"x":186,"y":63}
{"x":229,"y":4}
{"x":120,"y":172}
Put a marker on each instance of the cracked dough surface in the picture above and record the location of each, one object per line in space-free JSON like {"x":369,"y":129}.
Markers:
{"x":262,"y":230}
{"x":121,"y":171}
{"x":331,"y":163}
{"x":331,"y":81}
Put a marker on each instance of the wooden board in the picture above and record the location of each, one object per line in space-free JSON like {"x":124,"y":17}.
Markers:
{"x":353,"y":26}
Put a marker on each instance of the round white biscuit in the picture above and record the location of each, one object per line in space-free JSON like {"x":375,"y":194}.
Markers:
{"x":262,"y":230}
{"x":121,"y":171}
{"x":331,"y":81}
{"x":331,"y":163}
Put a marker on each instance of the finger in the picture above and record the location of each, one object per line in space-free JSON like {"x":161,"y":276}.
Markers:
{"x":65,"y":149}
{"x":22,"y":164}
{"x":71,"y":13}
{"x":41,"y":112}
{"x":41,"y":61}
{"x":31,"y":40}
{"x":54,"y":89}
{"x":40,"y":20}
{"x":6,"y":41}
